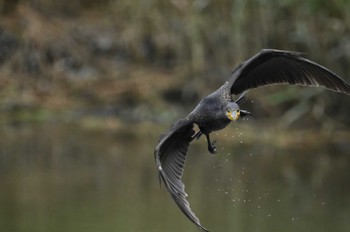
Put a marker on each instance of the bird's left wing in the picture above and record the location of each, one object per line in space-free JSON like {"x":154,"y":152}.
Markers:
{"x":271,"y":66}
{"x":170,"y":155}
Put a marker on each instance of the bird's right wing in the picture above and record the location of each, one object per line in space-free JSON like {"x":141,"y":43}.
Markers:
{"x":170,"y":155}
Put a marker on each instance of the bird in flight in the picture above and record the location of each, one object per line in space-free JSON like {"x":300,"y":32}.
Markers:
{"x":215,"y":111}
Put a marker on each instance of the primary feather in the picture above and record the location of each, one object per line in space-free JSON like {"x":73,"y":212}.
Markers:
{"x":170,"y":155}
{"x":283,"y":67}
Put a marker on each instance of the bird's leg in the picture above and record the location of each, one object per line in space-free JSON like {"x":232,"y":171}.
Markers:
{"x":211,"y":145}
{"x":197,"y":135}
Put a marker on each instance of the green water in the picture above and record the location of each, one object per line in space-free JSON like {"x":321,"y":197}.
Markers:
{"x":64,"y":178}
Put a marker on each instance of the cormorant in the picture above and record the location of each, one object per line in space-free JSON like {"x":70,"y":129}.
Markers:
{"x":217,"y":110}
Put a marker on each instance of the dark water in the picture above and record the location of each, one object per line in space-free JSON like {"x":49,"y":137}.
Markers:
{"x":64,"y":178}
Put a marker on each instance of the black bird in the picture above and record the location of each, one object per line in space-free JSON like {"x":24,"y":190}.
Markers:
{"x":217,"y":110}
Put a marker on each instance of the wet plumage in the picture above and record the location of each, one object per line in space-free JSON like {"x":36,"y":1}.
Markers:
{"x":217,"y":110}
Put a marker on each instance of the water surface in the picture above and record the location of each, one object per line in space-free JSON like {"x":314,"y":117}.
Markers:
{"x":56,"y":177}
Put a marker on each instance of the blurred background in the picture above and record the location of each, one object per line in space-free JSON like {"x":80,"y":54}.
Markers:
{"x":86,"y":87}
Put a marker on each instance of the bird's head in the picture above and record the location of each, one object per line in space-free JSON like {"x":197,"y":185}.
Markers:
{"x":232,"y":111}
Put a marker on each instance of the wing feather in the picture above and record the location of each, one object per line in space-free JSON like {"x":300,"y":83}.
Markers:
{"x":170,"y":156}
{"x":283,"y":67}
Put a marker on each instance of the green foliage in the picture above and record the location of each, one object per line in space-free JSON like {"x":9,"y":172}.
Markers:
{"x":79,"y":44}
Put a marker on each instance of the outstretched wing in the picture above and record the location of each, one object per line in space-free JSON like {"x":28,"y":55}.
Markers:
{"x":170,"y":155}
{"x":283,"y":67}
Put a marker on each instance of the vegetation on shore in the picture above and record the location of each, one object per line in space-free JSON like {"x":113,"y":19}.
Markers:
{"x":153,"y":60}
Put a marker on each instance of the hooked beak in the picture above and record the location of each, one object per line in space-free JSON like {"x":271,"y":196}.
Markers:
{"x":233,"y":116}
{"x":245,"y":113}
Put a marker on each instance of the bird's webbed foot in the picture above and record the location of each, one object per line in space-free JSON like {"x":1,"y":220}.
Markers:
{"x":212,"y":148}
{"x":211,"y":145}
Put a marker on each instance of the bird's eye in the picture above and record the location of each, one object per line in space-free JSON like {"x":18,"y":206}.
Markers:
{"x":237,"y":111}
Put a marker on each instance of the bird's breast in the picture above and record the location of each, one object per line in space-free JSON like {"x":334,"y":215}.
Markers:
{"x":210,"y":115}
{"x":211,"y":122}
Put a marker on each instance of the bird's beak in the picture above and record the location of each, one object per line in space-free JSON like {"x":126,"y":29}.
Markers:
{"x":233,"y":116}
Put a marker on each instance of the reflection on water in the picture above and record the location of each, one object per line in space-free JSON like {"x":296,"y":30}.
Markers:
{"x":63,"y":178}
